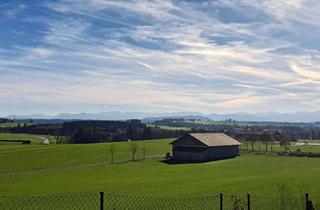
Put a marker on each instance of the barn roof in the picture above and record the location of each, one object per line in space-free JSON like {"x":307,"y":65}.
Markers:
{"x":214,"y":139}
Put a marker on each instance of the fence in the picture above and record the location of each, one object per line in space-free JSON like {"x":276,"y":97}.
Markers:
{"x":105,"y":201}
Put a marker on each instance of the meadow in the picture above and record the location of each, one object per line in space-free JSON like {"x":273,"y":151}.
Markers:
{"x":63,"y":170}
{"x":14,"y":124}
{"x":35,"y":139}
{"x":170,"y":127}
{"x":54,"y":169}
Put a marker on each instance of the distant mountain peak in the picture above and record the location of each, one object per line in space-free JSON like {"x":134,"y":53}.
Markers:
{"x":310,"y":116}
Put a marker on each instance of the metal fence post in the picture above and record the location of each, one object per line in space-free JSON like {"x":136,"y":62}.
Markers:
{"x":101,"y":200}
{"x":307,"y":200}
{"x":221,"y":201}
{"x":249,"y":202}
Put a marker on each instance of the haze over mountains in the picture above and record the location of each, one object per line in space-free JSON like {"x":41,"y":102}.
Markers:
{"x":149,"y":116}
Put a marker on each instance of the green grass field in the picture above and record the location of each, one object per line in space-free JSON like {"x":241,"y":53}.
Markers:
{"x":76,"y":173}
{"x":170,"y":127}
{"x":35,"y":139}
{"x":13,"y":124}
{"x":317,"y":141}
{"x":54,"y":169}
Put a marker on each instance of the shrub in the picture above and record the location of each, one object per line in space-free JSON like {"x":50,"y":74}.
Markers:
{"x":299,"y":153}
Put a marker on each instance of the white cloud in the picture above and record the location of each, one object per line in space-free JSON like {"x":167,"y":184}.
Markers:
{"x":166,"y":54}
{"x":39,"y":53}
{"x":145,"y":65}
{"x":307,"y":69}
{"x":247,"y":101}
{"x":11,"y":11}
{"x":69,"y":30}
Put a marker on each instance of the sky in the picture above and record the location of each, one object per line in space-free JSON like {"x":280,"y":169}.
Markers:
{"x":218,"y":56}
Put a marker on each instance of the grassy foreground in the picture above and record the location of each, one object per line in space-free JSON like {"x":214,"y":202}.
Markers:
{"x":70,"y":177}
{"x":54,"y":169}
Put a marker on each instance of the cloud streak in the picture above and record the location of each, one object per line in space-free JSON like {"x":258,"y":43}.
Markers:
{"x":162,"y":56}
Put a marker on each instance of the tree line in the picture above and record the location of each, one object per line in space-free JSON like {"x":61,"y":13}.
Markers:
{"x":95,"y":131}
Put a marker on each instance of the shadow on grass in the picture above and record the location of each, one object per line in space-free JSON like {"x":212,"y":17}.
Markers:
{"x":176,"y":162}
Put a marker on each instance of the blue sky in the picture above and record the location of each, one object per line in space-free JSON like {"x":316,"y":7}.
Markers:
{"x":217,"y":56}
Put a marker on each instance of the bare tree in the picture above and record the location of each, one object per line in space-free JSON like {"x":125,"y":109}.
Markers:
{"x":271,"y":145}
{"x":285,"y":143}
{"x":57,"y":138}
{"x":266,"y":144}
{"x":144,"y":153}
{"x":252,"y":142}
{"x":245,"y":144}
{"x":133,"y":148}
{"x":112,"y":150}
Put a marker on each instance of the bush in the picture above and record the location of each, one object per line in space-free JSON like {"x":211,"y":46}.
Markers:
{"x":299,"y":153}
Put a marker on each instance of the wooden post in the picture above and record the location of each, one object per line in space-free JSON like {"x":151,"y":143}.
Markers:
{"x":249,"y":202}
{"x":309,"y":205}
{"x":221,"y":201}
{"x":101,"y":200}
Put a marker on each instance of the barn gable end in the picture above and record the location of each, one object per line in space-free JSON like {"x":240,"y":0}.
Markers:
{"x":187,"y":140}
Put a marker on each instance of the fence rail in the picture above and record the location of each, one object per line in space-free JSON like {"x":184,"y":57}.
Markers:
{"x":109,"y":201}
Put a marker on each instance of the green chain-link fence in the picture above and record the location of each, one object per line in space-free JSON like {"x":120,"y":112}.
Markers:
{"x":108,"y":201}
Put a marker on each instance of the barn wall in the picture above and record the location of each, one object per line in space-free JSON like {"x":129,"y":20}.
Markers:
{"x":213,"y":153}
{"x":222,"y":152}
{"x":189,"y":156}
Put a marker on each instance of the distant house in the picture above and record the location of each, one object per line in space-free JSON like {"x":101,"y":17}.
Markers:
{"x":200,"y":147}
{"x":45,"y":141}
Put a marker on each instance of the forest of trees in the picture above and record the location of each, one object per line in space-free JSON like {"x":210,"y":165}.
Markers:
{"x":93,"y":131}
{"x":4,"y":120}
{"x":291,"y":130}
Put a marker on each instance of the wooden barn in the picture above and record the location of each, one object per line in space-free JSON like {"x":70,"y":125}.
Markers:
{"x":200,"y":147}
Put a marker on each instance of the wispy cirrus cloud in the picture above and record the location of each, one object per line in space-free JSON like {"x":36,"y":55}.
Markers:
{"x":214,"y":56}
